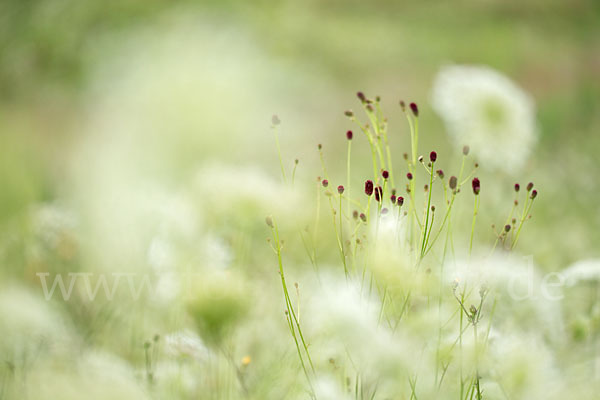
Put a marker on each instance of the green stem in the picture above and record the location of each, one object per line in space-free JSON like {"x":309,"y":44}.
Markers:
{"x":426,"y":223}
{"x":473,"y":223}
{"x":526,"y":210}
{"x":279,"y":154}
{"x":348,"y":179}
{"x":342,"y":239}
{"x":292,"y":319}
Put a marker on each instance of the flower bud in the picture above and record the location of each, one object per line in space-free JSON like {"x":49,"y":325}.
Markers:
{"x":369,"y":187}
{"x":517,"y":187}
{"x":409,"y":176}
{"x":433,"y":156}
{"x":473,"y":310}
{"x":476,"y":184}
{"x":506,"y":228}
{"x":466,"y":150}
{"x":440,"y":173}
{"x":349,"y":135}
{"x":325,"y":183}
{"x":361,"y":97}
{"x":355,"y":214}
{"x":385,"y":174}
{"x":529,"y":186}
{"x":400,"y":201}
{"x":269,"y":221}
{"x":414,"y":109}
{"x":363,"y":217}
{"x":402,"y":105}
{"x":275,"y":120}
{"x":393,"y":199}
{"x":533,"y":194}
{"x":452,"y":182}
{"x":340,"y":189}
{"x":348,"y":113}
{"x":378,"y":193}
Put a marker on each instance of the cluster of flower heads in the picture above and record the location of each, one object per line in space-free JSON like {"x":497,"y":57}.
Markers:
{"x":372,"y":109}
{"x":391,"y":249}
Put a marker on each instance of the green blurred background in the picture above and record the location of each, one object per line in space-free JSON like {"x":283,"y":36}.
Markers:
{"x":199,"y":81}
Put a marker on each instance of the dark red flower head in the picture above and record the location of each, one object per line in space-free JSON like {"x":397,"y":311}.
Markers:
{"x":529,"y":186}
{"x":393,"y":199}
{"x":378,"y":193}
{"x":361,"y":96}
{"x":369,"y":187}
{"x":325,"y":183}
{"x":363,"y":217}
{"x":433,"y":156}
{"x":400,"y":201}
{"x":409,"y":176}
{"x":440,"y":173}
{"x":476,"y":185}
{"x":414,"y":109}
{"x":533,"y":194}
{"x":385,"y":174}
{"x":517,"y":187}
{"x":349,"y":135}
{"x":340,"y":189}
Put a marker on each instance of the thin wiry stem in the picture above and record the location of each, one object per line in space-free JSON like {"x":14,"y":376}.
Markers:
{"x":293,"y":322}
{"x":279,"y":154}
{"x":475,"y":208}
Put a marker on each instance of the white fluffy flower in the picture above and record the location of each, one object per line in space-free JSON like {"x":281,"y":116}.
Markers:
{"x":487,"y":111}
{"x":327,"y":388}
{"x":525,"y":301}
{"x":186,"y":343}
{"x":29,"y":325}
{"x":521,"y":366}
{"x":583,"y":270}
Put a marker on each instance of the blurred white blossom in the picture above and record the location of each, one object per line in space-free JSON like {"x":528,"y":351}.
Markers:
{"x":29,"y":325}
{"x":583,"y":270}
{"x":185,"y":344}
{"x":487,"y":111}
